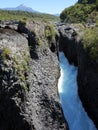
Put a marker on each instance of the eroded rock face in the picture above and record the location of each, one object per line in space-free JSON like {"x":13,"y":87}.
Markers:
{"x":44,"y":104}
{"x":87,"y":70}
{"x":12,"y":80}
{"x":28,"y":82}
{"x":68,"y":43}
{"x":88,"y":83}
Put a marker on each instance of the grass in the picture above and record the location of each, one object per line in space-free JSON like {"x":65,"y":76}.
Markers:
{"x":6,"y":52}
{"x":50,"y":32}
{"x":24,"y":16}
{"x":22,"y":68}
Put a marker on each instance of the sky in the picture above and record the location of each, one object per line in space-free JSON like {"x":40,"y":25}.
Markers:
{"x":46,"y":6}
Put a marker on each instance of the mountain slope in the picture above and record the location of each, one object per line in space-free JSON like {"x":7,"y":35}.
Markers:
{"x":87,"y":1}
{"x":25,"y":16}
{"x":83,"y":11}
{"x":22,"y":8}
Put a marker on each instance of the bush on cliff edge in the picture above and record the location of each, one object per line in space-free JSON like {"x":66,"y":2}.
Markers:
{"x":50,"y":32}
{"x":80,"y":13}
{"x":90,"y":42}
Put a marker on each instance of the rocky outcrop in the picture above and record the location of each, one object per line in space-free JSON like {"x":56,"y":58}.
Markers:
{"x":13,"y":83}
{"x":29,"y":74}
{"x":43,"y":107}
{"x":87,"y":69}
{"x":88,"y":83}
{"x":68,"y":43}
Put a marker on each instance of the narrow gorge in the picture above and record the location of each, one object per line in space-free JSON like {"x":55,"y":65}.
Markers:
{"x":71,"y":44}
{"x":29,"y":74}
{"x":72,"y":107}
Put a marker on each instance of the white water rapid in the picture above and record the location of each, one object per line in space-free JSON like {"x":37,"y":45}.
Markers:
{"x":73,"y":111}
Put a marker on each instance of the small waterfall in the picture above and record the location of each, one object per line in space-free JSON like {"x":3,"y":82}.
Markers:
{"x":73,"y":111}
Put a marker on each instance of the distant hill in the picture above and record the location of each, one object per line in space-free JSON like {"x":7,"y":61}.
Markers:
{"x":25,"y":16}
{"x":22,"y":7}
{"x":56,"y":15}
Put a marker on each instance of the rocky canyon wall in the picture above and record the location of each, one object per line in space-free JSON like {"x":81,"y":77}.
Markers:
{"x":72,"y":46}
{"x":29,"y":73}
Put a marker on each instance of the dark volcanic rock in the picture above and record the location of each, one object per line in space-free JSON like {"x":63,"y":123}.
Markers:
{"x":88,"y":83}
{"x":44,"y":105}
{"x":87,"y":70}
{"x":68,"y":43}
{"x":12,"y":93}
{"x":28,"y":98}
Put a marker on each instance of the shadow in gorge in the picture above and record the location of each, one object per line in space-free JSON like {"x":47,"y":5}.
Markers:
{"x":32,"y":46}
{"x":10,"y":117}
{"x":31,"y":40}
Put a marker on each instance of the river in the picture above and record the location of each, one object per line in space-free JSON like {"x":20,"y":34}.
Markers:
{"x":72,"y":107}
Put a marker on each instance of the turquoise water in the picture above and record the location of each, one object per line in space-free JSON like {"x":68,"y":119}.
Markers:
{"x":73,"y":111}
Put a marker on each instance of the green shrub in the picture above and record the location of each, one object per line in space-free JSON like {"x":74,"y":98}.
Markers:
{"x":24,"y":16}
{"x":97,"y":23}
{"x":23,"y":21}
{"x":39,"y":41}
{"x":50,"y":32}
{"x":21,"y":68}
{"x":90,"y":42}
{"x":6,"y":53}
{"x":79,"y":13}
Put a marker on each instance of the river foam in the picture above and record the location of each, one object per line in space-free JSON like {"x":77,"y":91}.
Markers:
{"x":73,"y":111}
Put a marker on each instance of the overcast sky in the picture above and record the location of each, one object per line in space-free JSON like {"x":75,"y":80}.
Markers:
{"x":47,"y":6}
